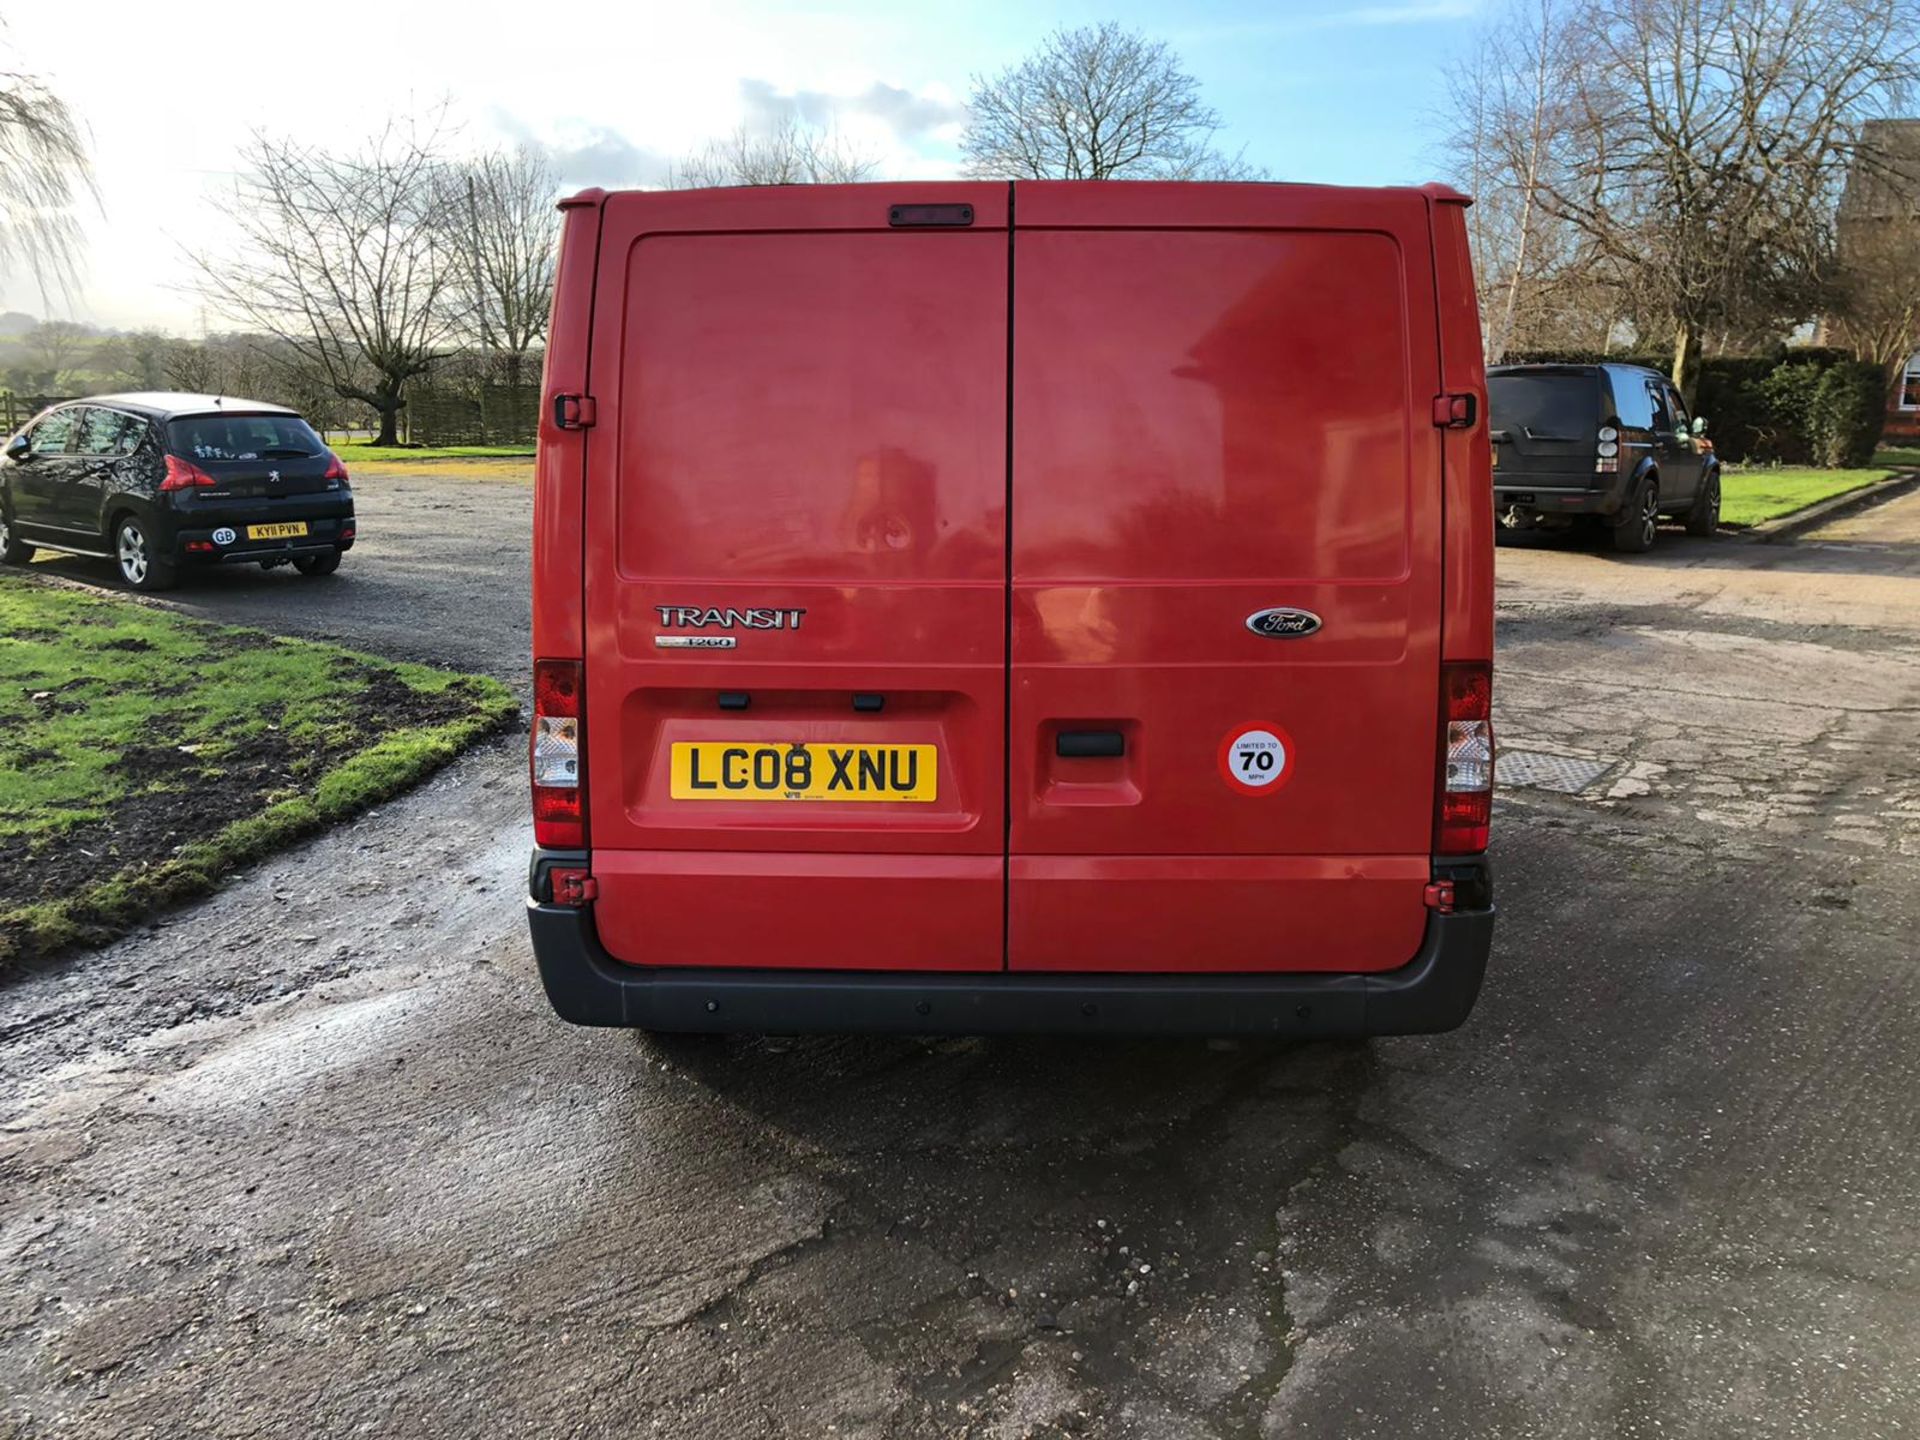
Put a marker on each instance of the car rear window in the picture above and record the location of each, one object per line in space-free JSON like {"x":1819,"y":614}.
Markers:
{"x":1563,"y":407}
{"x":242,"y":437}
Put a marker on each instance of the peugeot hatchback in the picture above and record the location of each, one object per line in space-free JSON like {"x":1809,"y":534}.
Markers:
{"x":160,"y":482}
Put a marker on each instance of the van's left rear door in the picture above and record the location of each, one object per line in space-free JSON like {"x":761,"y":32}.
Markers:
{"x":796,"y":537}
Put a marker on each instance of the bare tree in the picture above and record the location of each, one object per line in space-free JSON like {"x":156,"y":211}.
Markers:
{"x":788,"y":154}
{"x":55,"y":346}
{"x":1539,"y":283}
{"x":1694,"y":149}
{"x":44,"y":160}
{"x":503,"y":231}
{"x":345,"y":258}
{"x":191,"y":367}
{"x":1098,"y":103}
{"x":1877,"y":312}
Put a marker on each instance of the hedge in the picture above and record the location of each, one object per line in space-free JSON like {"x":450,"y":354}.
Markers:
{"x":1810,"y":406}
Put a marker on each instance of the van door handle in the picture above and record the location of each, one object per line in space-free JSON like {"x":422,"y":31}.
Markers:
{"x":1089,"y":744}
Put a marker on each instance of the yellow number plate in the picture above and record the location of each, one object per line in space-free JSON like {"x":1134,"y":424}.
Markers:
{"x":291,"y":530}
{"x":756,"y":770}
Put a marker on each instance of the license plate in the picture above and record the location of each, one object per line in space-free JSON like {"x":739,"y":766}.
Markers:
{"x":728,"y":770}
{"x":287,"y":530}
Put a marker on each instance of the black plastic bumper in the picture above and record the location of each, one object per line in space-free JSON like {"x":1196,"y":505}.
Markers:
{"x":1553,"y":495}
{"x":1433,"y":992}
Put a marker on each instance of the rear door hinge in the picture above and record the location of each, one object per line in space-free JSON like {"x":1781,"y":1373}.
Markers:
{"x":572,"y":412}
{"x":1456,"y":412}
{"x":1439,"y":896}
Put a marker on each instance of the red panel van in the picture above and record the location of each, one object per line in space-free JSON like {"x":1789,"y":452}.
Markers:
{"x":1045,"y":606}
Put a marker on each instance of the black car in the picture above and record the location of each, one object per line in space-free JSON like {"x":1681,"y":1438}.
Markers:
{"x":156,"y":482}
{"x":1608,"y":445}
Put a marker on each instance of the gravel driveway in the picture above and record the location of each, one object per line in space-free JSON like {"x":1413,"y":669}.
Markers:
{"x":438,"y":574}
{"x":313,"y":1158}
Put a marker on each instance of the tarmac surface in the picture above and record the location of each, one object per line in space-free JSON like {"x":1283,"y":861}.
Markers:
{"x":313,"y":1158}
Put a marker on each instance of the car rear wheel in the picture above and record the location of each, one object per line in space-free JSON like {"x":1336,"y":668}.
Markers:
{"x":133,"y":552}
{"x":318,"y":564}
{"x":13,"y":549}
{"x":1639,"y":518}
{"x":1704,"y":518}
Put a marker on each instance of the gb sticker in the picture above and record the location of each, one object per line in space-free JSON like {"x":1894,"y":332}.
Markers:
{"x":1257,"y":759}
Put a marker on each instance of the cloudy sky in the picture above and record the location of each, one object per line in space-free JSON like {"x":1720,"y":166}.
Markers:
{"x":617,"y":91}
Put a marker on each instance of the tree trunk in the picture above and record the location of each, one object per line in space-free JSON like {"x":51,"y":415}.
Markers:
{"x":1686,"y":359}
{"x":389,"y":425}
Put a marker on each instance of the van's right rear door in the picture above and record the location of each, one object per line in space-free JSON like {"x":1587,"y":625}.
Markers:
{"x":1222,"y":404}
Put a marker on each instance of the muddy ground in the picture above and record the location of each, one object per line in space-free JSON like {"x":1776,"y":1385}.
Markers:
{"x":313,"y":1158}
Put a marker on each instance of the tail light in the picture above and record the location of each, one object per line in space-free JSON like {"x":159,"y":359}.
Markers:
{"x":183,"y":474}
{"x":1466,"y":755}
{"x":336,"y":472}
{"x":558,"y":761}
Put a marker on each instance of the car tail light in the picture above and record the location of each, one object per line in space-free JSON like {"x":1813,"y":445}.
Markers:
{"x":185,"y":475}
{"x":558,"y":759}
{"x":336,"y":472}
{"x":1466,"y":757}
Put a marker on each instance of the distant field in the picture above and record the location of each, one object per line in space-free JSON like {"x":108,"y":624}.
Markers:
{"x":1749,"y":497}
{"x":352,"y":450}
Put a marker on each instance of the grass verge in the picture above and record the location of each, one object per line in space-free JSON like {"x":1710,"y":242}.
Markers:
{"x":1749,"y":497}
{"x":366,"y":450}
{"x":1898,"y":457}
{"x":144,"y":754}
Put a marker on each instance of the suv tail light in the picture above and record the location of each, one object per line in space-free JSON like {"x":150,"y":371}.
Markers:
{"x":335,"y":470}
{"x":183,"y":474}
{"x":558,"y":759}
{"x":1466,"y":757}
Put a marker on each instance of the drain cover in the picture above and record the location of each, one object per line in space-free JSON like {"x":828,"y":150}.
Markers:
{"x":1567,"y":774}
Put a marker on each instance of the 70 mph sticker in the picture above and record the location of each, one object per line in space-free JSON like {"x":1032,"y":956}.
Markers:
{"x":1257,"y":759}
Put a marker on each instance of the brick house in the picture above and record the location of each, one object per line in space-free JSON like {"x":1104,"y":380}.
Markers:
{"x":1879,"y":219}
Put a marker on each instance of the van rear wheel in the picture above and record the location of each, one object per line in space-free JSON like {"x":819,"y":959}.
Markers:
{"x":1634,"y":530}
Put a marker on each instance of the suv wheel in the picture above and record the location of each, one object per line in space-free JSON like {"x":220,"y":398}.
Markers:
{"x":1704,"y":518}
{"x":1633,"y":531}
{"x":133,"y":552}
{"x":13,"y":549}
{"x":318,"y":564}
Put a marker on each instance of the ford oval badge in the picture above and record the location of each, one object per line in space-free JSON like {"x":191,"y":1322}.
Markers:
{"x":1283,"y":622}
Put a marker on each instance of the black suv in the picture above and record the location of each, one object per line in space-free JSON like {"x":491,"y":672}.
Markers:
{"x":1608,"y":444}
{"x":159,"y":481}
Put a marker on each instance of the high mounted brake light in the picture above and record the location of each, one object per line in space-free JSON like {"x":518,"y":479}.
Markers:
{"x":183,"y":474}
{"x":558,"y":755}
{"x":1465,"y":804}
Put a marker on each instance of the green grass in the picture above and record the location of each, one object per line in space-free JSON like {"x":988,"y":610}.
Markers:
{"x":1748,"y":497}
{"x":352,"y":450}
{"x":1898,"y":456}
{"x":143,"y":754}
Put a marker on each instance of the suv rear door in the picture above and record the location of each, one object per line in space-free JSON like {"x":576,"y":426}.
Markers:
{"x":798,"y":454}
{"x":1223,"y":402}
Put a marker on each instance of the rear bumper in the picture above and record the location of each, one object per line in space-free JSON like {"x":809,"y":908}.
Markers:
{"x":1433,"y":992}
{"x":1552,"y":499}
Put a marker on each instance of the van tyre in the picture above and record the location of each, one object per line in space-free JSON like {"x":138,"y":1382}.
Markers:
{"x":13,"y":550}
{"x":133,"y":552}
{"x":1633,"y":531}
{"x":1704,"y":519}
{"x":317,"y":565}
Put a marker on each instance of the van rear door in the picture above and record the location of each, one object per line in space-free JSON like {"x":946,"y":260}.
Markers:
{"x":795,"y":577}
{"x":1223,"y":409}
